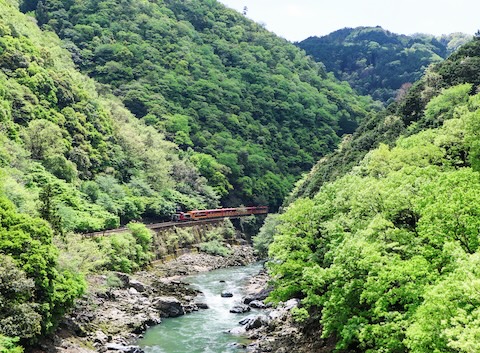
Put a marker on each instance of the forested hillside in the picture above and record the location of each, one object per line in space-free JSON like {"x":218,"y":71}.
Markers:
{"x":386,"y":256}
{"x":377,"y":62}
{"x":250,"y":110}
{"x":407,"y":116}
{"x":71,"y":161}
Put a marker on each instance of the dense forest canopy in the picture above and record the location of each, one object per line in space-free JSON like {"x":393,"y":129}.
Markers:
{"x":250,"y":110}
{"x":73,"y":158}
{"x":403,"y":117}
{"x":385,"y":254}
{"x":71,"y":161}
{"x":102,"y":165}
{"x":189,"y":104}
{"x":377,"y":62}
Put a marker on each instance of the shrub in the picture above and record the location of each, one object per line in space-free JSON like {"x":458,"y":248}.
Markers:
{"x":9,"y":345}
{"x":214,"y":247}
{"x":128,"y":252}
{"x":27,"y":242}
{"x":264,"y":238}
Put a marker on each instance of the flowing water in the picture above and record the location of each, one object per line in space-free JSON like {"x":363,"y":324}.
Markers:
{"x":204,"y":331}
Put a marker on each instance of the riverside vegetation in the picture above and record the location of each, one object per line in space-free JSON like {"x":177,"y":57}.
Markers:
{"x":190,"y":104}
{"x":385,"y":253}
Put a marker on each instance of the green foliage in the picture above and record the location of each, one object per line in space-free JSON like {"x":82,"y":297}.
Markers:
{"x":300,"y":314}
{"x":78,"y":254}
{"x":254,"y":109}
{"x":214,"y":247}
{"x":19,"y":316}
{"x":58,"y":134}
{"x":377,"y":62}
{"x":440,"y":326}
{"x":405,"y":117}
{"x":9,"y":345}
{"x":389,"y":251}
{"x":38,"y":292}
{"x":227,"y":229}
{"x":127,"y":252}
{"x":113,"y":281}
{"x":442,"y":107}
{"x":264,"y":238}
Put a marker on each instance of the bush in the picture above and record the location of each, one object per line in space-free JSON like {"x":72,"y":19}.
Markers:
{"x":228,"y":230}
{"x":113,"y":281}
{"x":128,"y":252}
{"x":264,"y":238}
{"x":9,"y":345}
{"x":214,"y":247}
{"x":27,"y":242}
{"x":18,"y":315}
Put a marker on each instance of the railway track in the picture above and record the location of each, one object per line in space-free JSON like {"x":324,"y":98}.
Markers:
{"x":162,"y":225}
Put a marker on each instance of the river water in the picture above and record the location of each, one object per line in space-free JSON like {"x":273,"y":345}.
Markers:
{"x":204,"y":331}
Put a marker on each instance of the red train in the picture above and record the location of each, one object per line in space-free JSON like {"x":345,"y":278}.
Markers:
{"x":219,"y":213}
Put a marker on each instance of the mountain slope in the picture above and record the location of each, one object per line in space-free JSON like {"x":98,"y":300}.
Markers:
{"x":71,"y":160}
{"x":405,"y":117}
{"x":254,"y":109}
{"x":386,"y":256}
{"x":378,"y":62}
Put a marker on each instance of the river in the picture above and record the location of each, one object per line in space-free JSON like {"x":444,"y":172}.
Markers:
{"x":204,"y":331}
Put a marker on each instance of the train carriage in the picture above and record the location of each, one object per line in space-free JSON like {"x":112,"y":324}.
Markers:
{"x":219,"y":213}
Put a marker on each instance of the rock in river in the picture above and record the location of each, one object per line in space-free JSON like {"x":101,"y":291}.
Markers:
{"x":240,"y":309}
{"x":257,"y":304}
{"x":169,"y":306}
{"x":226,"y":294}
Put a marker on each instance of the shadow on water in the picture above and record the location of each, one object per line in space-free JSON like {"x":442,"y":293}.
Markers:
{"x":204,"y":331}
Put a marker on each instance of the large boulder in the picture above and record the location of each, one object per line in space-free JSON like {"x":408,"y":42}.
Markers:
{"x":262,"y":295}
{"x":139,"y":286}
{"x":256,"y":322}
{"x":168,"y":306}
{"x":257,"y":304}
{"x":240,"y":309}
{"x":201,"y":305}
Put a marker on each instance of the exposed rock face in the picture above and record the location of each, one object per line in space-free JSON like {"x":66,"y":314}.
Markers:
{"x":109,"y":319}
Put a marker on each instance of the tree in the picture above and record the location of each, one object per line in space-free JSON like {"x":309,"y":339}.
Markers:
{"x":28,"y":242}
{"x":44,"y":138}
{"x":48,"y":210}
{"x":19,"y":315}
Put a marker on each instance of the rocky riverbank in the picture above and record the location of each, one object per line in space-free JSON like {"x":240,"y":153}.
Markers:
{"x":119,"y":307}
{"x":275,"y":330}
